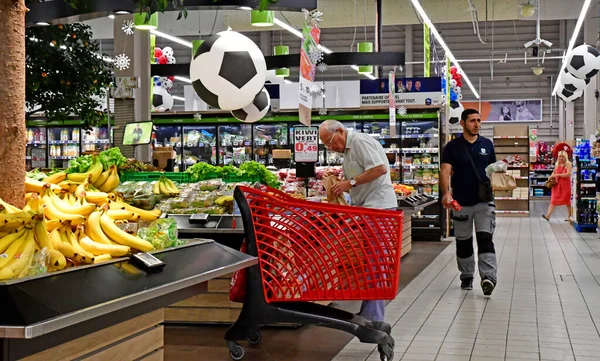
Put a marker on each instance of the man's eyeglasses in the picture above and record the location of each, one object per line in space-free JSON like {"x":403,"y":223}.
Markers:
{"x":328,"y":144}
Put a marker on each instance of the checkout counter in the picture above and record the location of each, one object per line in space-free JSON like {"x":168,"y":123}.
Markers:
{"x":109,"y":310}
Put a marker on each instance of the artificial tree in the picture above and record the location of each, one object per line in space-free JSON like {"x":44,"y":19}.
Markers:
{"x":65,"y":73}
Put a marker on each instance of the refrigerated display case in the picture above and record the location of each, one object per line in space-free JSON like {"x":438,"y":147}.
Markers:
{"x":235,"y":144}
{"x":64,"y":144}
{"x":165,"y":136}
{"x":37,"y":149}
{"x":268,"y":137}
{"x":199,"y":145}
{"x":95,"y":139}
{"x":420,"y":155}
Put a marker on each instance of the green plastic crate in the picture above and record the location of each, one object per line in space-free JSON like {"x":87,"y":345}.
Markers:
{"x":209,"y":176}
{"x":178,"y":177}
{"x":243,"y":178}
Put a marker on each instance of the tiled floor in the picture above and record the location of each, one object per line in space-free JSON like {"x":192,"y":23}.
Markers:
{"x":307,"y":343}
{"x":546,"y":305}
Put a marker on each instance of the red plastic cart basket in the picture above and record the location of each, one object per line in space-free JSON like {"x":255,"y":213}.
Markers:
{"x":312,"y":251}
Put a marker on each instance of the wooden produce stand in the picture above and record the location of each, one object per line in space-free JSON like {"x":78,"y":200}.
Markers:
{"x":513,"y":140}
{"x":109,"y":311}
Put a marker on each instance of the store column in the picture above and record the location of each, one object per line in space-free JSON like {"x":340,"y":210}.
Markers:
{"x":591,"y":29}
{"x":408,"y":50}
{"x":142,"y":94}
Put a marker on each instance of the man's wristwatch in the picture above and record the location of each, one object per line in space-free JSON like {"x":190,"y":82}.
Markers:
{"x":353,"y":182}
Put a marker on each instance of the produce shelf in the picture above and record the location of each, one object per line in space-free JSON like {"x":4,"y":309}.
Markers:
{"x":54,"y":142}
{"x":511,"y":137}
{"x":419,"y":136}
{"x":423,"y":166}
{"x":179,"y":177}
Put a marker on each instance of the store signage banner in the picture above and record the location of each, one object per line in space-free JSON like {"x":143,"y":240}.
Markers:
{"x":427,"y":51}
{"x":310,"y":44}
{"x":504,"y":111}
{"x":306,"y":146}
{"x":392,"y":102}
{"x":403,"y":85}
{"x":401,"y":99}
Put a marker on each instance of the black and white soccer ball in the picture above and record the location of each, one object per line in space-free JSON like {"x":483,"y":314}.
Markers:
{"x":571,"y":83}
{"x":456,"y":109}
{"x":162,"y":100}
{"x":228,"y":70}
{"x":256,"y":110}
{"x":569,"y":96}
{"x":584,"y":62}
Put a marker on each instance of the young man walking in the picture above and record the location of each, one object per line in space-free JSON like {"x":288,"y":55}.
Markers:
{"x":464,"y":161}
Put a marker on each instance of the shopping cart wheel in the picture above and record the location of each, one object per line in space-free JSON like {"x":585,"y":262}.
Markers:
{"x":254,"y":337}
{"x":382,"y":326}
{"x":386,"y":351}
{"x":236,"y":352}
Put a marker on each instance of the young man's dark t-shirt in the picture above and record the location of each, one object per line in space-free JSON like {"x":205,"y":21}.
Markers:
{"x":464,"y":179}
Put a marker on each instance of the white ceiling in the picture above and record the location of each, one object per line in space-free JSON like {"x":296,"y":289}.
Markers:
{"x":349,"y":13}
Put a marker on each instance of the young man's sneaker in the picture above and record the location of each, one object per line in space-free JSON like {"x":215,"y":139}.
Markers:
{"x":487,"y":285}
{"x":466,"y":284}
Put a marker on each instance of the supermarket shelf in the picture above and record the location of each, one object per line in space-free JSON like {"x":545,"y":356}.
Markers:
{"x":35,"y":142}
{"x":99,"y":141}
{"x":384,"y":136}
{"x":538,"y":177}
{"x":539,"y":198}
{"x":61,"y":157}
{"x":419,"y":136}
{"x":423,"y":166}
{"x":589,"y":185}
{"x":511,"y":198}
{"x":543,"y":170}
{"x":517,"y":166}
{"x":419,"y":182}
{"x":588,"y":198}
{"x":513,"y":212}
{"x":511,"y":137}
{"x":63,"y":142}
{"x":420,"y":150}
{"x":519,"y":177}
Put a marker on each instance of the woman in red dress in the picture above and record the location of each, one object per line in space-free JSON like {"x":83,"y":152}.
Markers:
{"x":561,"y":192}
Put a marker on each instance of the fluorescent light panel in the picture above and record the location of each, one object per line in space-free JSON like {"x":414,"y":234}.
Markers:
{"x":178,"y":98}
{"x":440,"y":40}
{"x":172,"y":38}
{"x":578,"y":25}
{"x":183,"y":79}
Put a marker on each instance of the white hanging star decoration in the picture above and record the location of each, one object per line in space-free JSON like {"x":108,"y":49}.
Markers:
{"x":317,"y":90}
{"x":122,"y":62}
{"x":322,"y":67}
{"x":315,"y":56}
{"x":322,"y":111}
{"x":128,"y":26}
{"x":402,"y":111}
{"x":198,"y":116}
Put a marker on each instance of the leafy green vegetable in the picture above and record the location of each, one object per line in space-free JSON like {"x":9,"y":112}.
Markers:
{"x":255,"y":169}
{"x":230,"y":171}
{"x":80,"y":164}
{"x":200,"y":171}
{"x":36,"y":174}
{"x":112,"y":157}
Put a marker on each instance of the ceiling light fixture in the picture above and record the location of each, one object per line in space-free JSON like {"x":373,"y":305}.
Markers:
{"x":440,"y":40}
{"x":578,"y":25}
{"x":323,"y":48}
{"x":172,"y":38}
{"x":122,"y":12}
{"x":42,"y":23}
{"x":183,"y":79}
{"x":247,"y":8}
{"x":111,"y":16}
{"x":178,"y":98}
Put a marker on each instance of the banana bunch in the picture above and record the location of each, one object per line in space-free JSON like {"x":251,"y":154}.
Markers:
{"x":108,"y":180}
{"x":165,"y":187}
{"x":17,"y":249}
{"x":224,"y":200}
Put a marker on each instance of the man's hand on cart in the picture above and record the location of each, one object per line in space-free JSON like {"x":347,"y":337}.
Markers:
{"x":341,"y":187}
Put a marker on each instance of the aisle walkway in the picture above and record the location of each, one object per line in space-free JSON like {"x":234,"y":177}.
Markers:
{"x":546,"y":305}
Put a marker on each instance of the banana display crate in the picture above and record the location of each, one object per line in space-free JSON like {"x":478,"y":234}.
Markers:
{"x":107,"y":311}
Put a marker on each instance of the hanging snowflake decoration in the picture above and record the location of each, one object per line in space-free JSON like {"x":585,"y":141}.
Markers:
{"x":122,"y":62}
{"x":402,"y":111}
{"x":317,"y":90}
{"x":128,"y":27}
{"x":322,"y":67}
{"x":315,"y":55}
{"x":322,"y":111}
{"x":197,"y":116}
{"x":316,"y":17}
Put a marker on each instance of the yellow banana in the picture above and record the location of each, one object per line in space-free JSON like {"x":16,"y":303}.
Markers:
{"x":56,"y":260}
{"x":56,"y":178}
{"x":71,"y":209}
{"x":116,"y":234}
{"x":97,"y":198}
{"x":123,"y":215}
{"x":171,"y":186}
{"x":7,"y":240}
{"x":20,"y":259}
{"x":103,"y":177}
{"x":15,"y":220}
{"x":98,"y":249}
{"x":41,"y":236}
{"x":163,"y":189}
{"x":156,"y":188}
{"x":14,"y":247}
{"x":144,"y":215}
{"x":102,"y":258}
{"x":112,"y":181}
{"x":94,"y":230}
{"x":52,"y":224}
{"x":68,"y":186}
{"x":65,"y":248}
{"x":32,"y":185}
{"x":34,"y":202}
{"x":80,"y":191}
{"x":9,"y":207}
{"x":51,"y":212}
{"x":81,"y":255}
{"x":94,"y":171}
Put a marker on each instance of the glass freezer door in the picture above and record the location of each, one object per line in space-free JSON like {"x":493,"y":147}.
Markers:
{"x":64,"y":145}
{"x":199,"y":145}
{"x":95,"y":140}
{"x":235,"y":144}
{"x":36,"y":156}
{"x":268,"y":137}
{"x":165,"y":136}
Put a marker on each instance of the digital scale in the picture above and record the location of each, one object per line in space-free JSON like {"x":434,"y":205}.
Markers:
{"x":416,"y":201}
{"x":147,"y":261}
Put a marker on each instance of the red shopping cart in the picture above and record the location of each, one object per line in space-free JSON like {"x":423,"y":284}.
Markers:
{"x":312,"y":251}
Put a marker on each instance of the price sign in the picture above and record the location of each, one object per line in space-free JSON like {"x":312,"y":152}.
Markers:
{"x":306,"y":144}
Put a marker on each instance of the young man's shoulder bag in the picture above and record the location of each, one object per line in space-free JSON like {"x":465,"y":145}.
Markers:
{"x":484,"y":188}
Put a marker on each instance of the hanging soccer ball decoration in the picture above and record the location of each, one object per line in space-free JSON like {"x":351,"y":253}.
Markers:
{"x":256,"y":110}
{"x":455,"y":84}
{"x":569,"y":96}
{"x":456,"y":110}
{"x":584,"y":62}
{"x":162,"y":100}
{"x":571,"y":83}
{"x":228,"y":70}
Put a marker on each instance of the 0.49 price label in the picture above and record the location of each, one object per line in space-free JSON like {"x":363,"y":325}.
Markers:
{"x":306,"y":140}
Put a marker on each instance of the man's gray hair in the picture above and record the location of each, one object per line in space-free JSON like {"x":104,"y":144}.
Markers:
{"x":332,"y":126}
